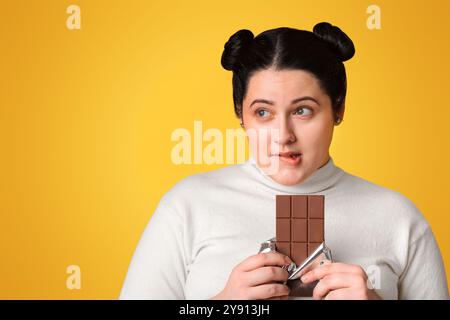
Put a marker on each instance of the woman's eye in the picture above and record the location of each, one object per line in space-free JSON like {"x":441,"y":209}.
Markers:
{"x":303,"y":111}
{"x":262,"y":113}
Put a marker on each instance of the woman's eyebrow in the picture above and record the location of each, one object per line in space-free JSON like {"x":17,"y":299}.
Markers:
{"x":305,"y":98}
{"x":292,"y":102}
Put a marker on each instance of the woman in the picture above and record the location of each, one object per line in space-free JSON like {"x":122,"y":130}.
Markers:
{"x":201,"y":242}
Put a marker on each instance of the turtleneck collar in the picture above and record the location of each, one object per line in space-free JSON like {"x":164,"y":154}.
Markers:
{"x":322,"y":179}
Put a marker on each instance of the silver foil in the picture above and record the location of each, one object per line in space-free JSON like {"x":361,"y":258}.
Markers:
{"x":298,"y":288}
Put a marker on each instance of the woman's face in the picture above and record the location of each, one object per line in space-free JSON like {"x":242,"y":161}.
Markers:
{"x":289,"y":123}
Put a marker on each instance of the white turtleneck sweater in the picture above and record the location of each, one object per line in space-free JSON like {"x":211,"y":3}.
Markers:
{"x":209,"y":222}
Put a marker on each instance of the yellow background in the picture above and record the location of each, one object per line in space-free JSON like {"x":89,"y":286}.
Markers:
{"x":86,"y":117}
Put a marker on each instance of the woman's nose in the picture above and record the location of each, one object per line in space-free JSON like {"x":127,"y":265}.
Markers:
{"x":284,"y":134}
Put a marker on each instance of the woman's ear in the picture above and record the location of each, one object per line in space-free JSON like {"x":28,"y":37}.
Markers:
{"x":241,"y":116}
{"x":339,"y":116}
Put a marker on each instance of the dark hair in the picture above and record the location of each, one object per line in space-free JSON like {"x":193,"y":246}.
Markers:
{"x":320,"y":52}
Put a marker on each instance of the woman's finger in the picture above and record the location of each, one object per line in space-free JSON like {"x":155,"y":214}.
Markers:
{"x":265,"y":275}
{"x":278,"y":298}
{"x":264,"y":259}
{"x":339,"y":294}
{"x":270,"y":290}
{"x":336,"y":281}
{"x":326,"y":269}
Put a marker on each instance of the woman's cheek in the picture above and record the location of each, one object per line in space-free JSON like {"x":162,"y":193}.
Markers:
{"x":261,"y":146}
{"x":319,"y":136}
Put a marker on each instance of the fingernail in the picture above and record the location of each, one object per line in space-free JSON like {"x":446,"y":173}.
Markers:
{"x":304,"y":278}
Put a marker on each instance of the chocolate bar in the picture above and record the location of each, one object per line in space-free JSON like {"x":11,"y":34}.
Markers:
{"x":299,"y":232}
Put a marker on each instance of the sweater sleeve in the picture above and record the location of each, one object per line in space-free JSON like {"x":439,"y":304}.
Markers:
{"x":424,"y":275}
{"x":158,"y":266}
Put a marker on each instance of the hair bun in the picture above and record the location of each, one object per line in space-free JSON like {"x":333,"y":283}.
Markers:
{"x":234,"y":47}
{"x":341,"y":44}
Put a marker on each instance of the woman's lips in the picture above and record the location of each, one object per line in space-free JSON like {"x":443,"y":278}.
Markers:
{"x":291,"y":158}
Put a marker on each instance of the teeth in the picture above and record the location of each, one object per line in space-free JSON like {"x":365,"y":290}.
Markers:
{"x":292,"y":155}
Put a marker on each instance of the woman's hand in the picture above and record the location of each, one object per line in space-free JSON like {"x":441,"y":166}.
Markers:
{"x":339,"y":281}
{"x":258,"y":277}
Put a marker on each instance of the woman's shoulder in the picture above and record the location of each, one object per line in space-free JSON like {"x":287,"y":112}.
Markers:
{"x":394,"y":205}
